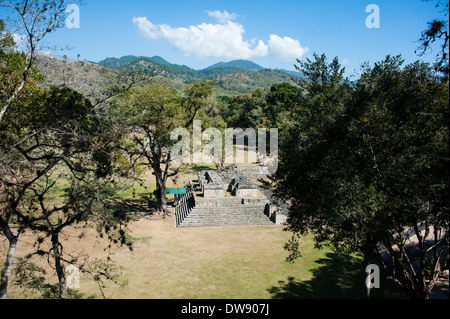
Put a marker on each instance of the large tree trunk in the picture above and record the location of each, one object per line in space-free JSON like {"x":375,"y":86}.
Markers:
{"x":161,"y":182}
{"x":58,"y":266}
{"x":6,"y":272}
{"x":161,"y":206}
{"x":160,"y":194}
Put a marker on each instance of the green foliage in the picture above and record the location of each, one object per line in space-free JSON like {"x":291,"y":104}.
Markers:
{"x":231,"y":78}
{"x":261,"y":108}
{"x":237,"y":64}
{"x":283,"y":93}
{"x":6,"y":42}
{"x":247,"y":110}
{"x":152,"y":113}
{"x":361,"y":162}
{"x":221,"y":68}
{"x":281,"y":100}
{"x":437,"y":31}
{"x":153,"y":105}
{"x":63,"y":104}
{"x":365,"y":151}
{"x":152,"y":65}
{"x":58,"y":159}
{"x":12,"y":65}
{"x":201,"y":105}
{"x":247,"y":81}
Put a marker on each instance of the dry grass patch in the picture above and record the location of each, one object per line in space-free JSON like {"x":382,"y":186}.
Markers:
{"x":229,"y":263}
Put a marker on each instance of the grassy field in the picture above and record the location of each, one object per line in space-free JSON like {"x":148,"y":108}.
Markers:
{"x":197,"y":263}
{"x":215,"y":263}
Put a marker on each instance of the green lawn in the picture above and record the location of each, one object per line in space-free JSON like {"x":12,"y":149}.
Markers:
{"x":230,"y":263}
{"x":216,"y":263}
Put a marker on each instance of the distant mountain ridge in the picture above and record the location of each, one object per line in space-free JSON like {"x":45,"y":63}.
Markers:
{"x":144,"y":64}
{"x":237,"y":64}
{"x":90,"y":78}
{"x":221,"y":68}
{"x":230,"y":78}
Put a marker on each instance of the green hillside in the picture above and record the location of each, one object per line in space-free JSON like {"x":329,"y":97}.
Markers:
{"x":230,"y":78}
{"x":237,"y":64}
{"x":154,"y":64}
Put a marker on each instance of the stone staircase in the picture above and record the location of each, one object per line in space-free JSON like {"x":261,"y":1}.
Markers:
{"x":214,"y":217}
{"x":194,"y":212}
{"x":186,"y":203}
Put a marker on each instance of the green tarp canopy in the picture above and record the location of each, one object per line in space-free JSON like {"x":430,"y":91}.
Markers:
{"x":176,"y":191}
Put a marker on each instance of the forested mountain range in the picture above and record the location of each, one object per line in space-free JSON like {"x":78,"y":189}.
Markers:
{"x":231,"y":78}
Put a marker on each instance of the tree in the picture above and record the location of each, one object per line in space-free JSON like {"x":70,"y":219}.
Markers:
{"x":197,"y":98}
{"x":247,"y":110}
{"x":154,"y":109}
{"x":6,"y":41}
{"x":51,"y":138}
{"x":34,"y":19}
{"x":409,"y":169}
{"x":281,"y":98}
{"x":284,"y":93}
{"x":366,"y":165}
{"x":12,"y":166}
{"x":57,"y":140}
{"x":201,"y":105}
{"x":151,"y":113}
{"x":437,"y":30}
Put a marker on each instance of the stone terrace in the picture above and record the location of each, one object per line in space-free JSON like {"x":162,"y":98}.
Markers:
{"x":223,"y":198}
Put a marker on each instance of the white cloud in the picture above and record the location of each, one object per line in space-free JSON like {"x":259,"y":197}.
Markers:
{"x":213,"y":40}
{"x":222,"y":40}
{"x":285,"y":49}
{"x":147,"y":28}
{"x":20,"y":40}
{"x":205,"y":40}
{"x":222,"y":17}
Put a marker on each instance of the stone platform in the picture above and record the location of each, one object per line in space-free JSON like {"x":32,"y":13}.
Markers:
{"x":225,"y":197}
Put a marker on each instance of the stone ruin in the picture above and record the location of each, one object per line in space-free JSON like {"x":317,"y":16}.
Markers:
{"x":226,"y":197}
{"x":215,"y":184}
{"x":211,"y":184}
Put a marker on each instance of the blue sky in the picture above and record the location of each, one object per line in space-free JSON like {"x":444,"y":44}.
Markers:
{"x":270,"y":33}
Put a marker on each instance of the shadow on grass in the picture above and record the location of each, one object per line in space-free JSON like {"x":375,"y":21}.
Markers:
{"x":336,"y":277}
{"x":133,"y":209}
{"x":149,"y":199}
{"x":199,"y":168}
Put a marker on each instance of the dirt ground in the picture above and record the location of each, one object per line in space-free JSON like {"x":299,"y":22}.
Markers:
{"x":188,"y":263}
{"x":165,"y":262}
{"x":170,"y":263}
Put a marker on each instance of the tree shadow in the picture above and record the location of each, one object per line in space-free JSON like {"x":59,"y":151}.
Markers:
{"x":134,"y":208}
{"x":336,"y":277}
{"x":199,"y":168}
